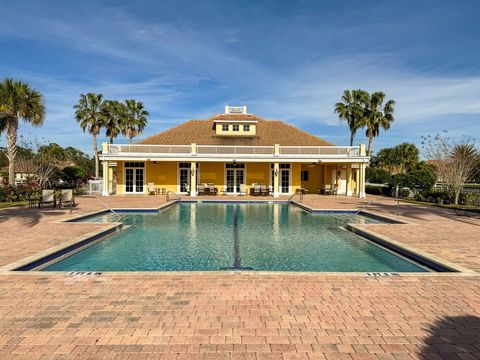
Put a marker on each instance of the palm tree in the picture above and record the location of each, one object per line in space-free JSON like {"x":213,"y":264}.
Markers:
{"x":18,"y":101}
{"x":135,"y":119}
{"x":114,"y":117}
{"x":375,"y":116}
{"x":350,"y":110}
{"x":88,"y":114}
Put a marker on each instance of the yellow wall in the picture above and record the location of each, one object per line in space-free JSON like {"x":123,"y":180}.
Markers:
{"x":257,"y":173}
{"x":315,"y":178}
{"x":296,"y":169}
{"x":119,"y":176}
{"x":162,"y":174}
{"x":211,"y":172}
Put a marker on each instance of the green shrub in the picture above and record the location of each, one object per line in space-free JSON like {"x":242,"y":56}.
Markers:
{"x":469,"y":198}
{"x":373,"y":190}
{"x":377,"y":176}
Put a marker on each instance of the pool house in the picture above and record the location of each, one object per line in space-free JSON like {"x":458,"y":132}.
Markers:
{"x":235,"y":153}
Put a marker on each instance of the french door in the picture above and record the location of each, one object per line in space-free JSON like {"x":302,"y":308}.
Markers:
{"x":234,"y":177}
{"x":134,"y":177}
{"x":184,"y":178}
{"x":284,"y":178}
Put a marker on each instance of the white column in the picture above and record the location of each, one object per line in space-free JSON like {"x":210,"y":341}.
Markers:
{"x":276,"y":176}
{"x":361,"y":188}
{"x":106,"y":180}
{"x":357,"y":182}
{"x":193,"y":181}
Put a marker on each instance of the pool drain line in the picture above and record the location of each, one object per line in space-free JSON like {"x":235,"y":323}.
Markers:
{"x":237,"y":259}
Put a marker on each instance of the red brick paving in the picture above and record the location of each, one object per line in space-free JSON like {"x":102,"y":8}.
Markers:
{"x":240,"y":316}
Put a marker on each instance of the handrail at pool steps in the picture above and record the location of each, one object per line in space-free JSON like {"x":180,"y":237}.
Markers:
{"x":174,"y":194}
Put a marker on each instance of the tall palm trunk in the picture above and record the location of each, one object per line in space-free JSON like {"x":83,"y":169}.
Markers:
{"x":111,"y":140}
{"x":130,"y":140}
{"x":12,"y":127}
{"x":370,"y":140}
{"x":95,"y":154}
{"x":351,"y":139}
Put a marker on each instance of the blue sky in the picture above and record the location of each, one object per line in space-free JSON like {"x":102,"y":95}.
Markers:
{"x":287,"y":60}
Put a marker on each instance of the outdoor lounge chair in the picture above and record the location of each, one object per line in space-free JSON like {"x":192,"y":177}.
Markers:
{"x":151,"y":189}
{"x":212,"y":190}
{"x":48,"y":197}
{"x":67,"y":198}
{"x":243,"y":189}
{"x":328,"y":190}
{"x":255,"y":191}
{"x":201,"y":189}
{"x":264,"y":190}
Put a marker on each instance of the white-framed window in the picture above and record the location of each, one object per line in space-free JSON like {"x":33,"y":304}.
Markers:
{"x":225,"y":127}
{"x":236,"y":127}
{"x":246,"y":128}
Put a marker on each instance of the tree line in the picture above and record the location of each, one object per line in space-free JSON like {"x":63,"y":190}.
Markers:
{"x":19,"y":101}
{"x":452,"y":163}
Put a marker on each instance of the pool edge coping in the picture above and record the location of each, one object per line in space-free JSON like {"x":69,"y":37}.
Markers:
{"x":410,"y":251}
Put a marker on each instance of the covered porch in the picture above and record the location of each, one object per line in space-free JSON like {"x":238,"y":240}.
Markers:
{"x":233,"y":170}
{"x":232,"y":178}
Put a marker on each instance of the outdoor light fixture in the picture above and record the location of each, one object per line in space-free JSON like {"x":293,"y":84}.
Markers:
{"x":276,"y":172}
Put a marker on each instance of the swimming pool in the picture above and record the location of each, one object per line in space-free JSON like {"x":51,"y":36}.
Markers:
{"x":234,"y":236}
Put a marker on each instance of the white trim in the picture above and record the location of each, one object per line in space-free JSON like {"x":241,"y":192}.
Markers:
{"x":236,"y":121}
{"x":134,"y":187}
{"x":230,"y":158}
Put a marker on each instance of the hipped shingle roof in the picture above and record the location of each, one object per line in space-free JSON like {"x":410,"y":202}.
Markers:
{"x":269,"y":132}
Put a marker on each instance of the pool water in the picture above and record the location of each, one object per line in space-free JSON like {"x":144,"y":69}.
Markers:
{"x":228,"y":236}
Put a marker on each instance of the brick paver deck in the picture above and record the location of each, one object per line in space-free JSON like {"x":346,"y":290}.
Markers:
{"x":241,"y":316}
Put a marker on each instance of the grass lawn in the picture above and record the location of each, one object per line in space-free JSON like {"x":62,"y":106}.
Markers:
{"x":7,"y":204}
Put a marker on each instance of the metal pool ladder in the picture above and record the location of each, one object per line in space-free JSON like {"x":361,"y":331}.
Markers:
{"x":300,"y":195}
{"x":108,"y":208}
{"x":174,"y":194}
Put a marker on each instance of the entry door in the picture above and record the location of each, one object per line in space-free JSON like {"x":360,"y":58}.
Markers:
{"x":284,"y":181}
{"x":339,"y":178}
{"x":184,"y":179}
{"x":235,"y":176}
{"x":134,"y":178}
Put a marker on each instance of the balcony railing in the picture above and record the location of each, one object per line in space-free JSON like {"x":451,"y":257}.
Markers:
{"x":232,"y":151}
{"x":320,"y":150}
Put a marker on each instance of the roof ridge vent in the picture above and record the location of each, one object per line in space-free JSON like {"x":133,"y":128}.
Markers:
{"x":236,"y":109}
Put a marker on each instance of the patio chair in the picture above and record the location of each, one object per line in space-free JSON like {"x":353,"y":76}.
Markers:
{"x":326,"y":189}
{"x":187,"y":189}
{"x":243,"y":189}
{"x":212,"y":190}
{"x":67,"y":198}
{"x":151,"y":189}
{"x":48,"y":197}
{"x":255,"y":191}
{"x":264,"y":190}
{"x":201,"y":189}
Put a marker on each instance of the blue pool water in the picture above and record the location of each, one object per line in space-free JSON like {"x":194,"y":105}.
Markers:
{"x":205,"y":236}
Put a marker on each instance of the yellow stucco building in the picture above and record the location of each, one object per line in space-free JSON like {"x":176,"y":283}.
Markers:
{"x":235,"y":152}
